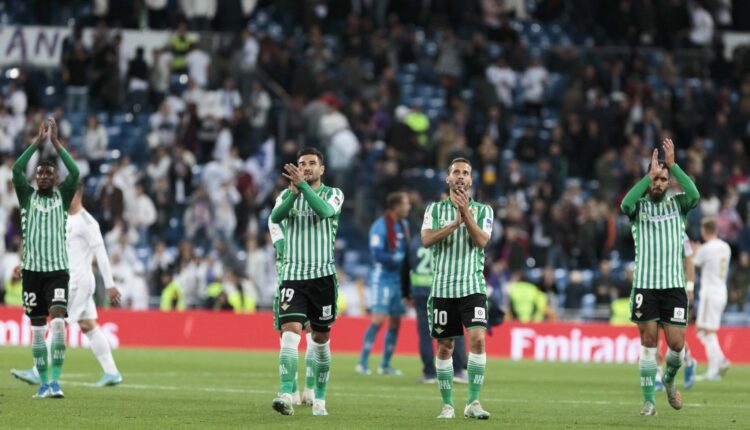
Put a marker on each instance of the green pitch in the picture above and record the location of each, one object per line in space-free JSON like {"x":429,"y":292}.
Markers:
{"x":179,"y":389}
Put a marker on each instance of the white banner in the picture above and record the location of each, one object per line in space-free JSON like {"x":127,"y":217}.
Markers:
{"x":42,"y":46}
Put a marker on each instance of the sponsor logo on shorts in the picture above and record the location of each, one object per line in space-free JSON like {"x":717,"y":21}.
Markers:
{"x":679,"y":315}
{"x":327,"y":312}
{"x":59,"y":295}
{"x":480,"y":315}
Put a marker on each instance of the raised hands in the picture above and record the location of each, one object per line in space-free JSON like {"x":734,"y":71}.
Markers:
{"x":293,"y":173}
{"x":53,"y":133}
{"x":41,"y":137}
{"x":655,"y":168}
{"x":668,"y":152}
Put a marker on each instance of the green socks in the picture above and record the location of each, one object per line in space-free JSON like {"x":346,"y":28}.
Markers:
{"x":309,"y":364}
{"x":288,"y":361}
{"x":647,"y":365}
{"x":321,"y":367}
{"x":39,"y":351}
{"x":476,"y":365}
{"x":57,"y":331}
{"x":674,"y":362}
{"x":445,"y":379}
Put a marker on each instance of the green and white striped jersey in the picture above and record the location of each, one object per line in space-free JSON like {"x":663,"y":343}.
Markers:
{"x":44,"y":218}
{"x":308,"y":251}
{"x":457,"y":264}
{"x":658,"y":232}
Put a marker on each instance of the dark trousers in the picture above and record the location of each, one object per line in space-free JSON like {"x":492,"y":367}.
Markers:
{"x":426,"y":350}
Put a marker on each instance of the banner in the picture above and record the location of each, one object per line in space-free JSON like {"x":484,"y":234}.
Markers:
{"x":42,"y":46}
{"x":590,"y":342}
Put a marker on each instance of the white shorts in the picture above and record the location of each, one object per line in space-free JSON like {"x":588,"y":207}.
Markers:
{"x":710,"y":309}
{"x":81,"y":302}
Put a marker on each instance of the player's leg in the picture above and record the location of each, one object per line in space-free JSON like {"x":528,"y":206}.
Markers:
{"x":474,"y":318}
{"x":308,"y":395}
{"x":57,"y":333}
{"x":445,"y":326}
{"x":396,"y":310}
{"x":322,"y":315}
{"x":389,"y":346}
{"x":675,"y":337}
{"x":644,"y":311}
{"x":376,"y":321}
{"x":102,"y":351}
{"x":292,"y":313}
{"x":673,"y":317}
{"x":444,"y":367}
{"x":658,"y":386}
{"x":689,"y":375}
{"x":649,"y":333}
{"x":379,"y":311}
{"x":460,"y":361}
{"x":426,"y":351}
{"x":56,"y":291}
{"x":708,"y":323}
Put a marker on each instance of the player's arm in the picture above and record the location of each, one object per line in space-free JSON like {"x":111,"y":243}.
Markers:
{"x":277,"y":237}
{"x":69,"y":185}
{"x":20,"y":182}
{"x":630,"y":201}
{"x":691,"y":196}
{"x":284,"y":204}
{"x":324,"y":209}
{"x":431,"y":234}
{"x":102,"y":262}
{"x":689,"y":270}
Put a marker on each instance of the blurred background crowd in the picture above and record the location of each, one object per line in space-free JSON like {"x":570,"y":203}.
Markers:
{"x":557,"y":103}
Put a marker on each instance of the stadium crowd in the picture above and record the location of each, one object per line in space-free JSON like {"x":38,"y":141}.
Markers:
{"x":558,"y":126}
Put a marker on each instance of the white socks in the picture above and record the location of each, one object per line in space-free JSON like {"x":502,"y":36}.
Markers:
{"x":101,"y":349}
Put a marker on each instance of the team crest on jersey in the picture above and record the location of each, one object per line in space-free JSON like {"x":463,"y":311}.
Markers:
{"x":473,"y":212}
{"x":644,"y":216}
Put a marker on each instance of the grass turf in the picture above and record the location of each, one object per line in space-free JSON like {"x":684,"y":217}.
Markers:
{"x":233,"y":389}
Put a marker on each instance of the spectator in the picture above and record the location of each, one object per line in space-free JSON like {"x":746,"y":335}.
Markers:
{"x":259,"y":103}
{"x":179,"y":45}
{"x":198,"y":65}
{"x":534,"y":83}
{"x":95,"y":143}
{"x":142,"y":214}
{"x":739,"y":282}
{"x":503,"y":78}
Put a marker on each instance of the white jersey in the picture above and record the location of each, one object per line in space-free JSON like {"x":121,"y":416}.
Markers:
{"x":713,"y":259}
{"x":84,"y":243}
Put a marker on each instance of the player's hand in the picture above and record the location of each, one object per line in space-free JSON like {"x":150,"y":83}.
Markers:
{"x":53,"y":133}
{"x":293,"y":173}
{"x":41,"y":137}
{"x":294,"y":188}
{"x":459,"y":219}
{"x":17,"y":272}
{"x":691,"y":296}
{"x":654,"y":170}
{"x":668,"y":152}
{"x":114,"y":296}
{"x":463,"y":202}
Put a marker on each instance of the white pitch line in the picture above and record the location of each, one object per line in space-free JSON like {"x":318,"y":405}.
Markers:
{"x":375,"y":395}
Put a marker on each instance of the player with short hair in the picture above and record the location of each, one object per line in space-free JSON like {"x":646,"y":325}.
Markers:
{"x":658,"y":296}
{"x":389,"y":245}
{"x":84,"y":242}
{"x":713,"y":259}
{"x":44,"y":212}
{"x":309,"y":284}
{"x":456,"y":230}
